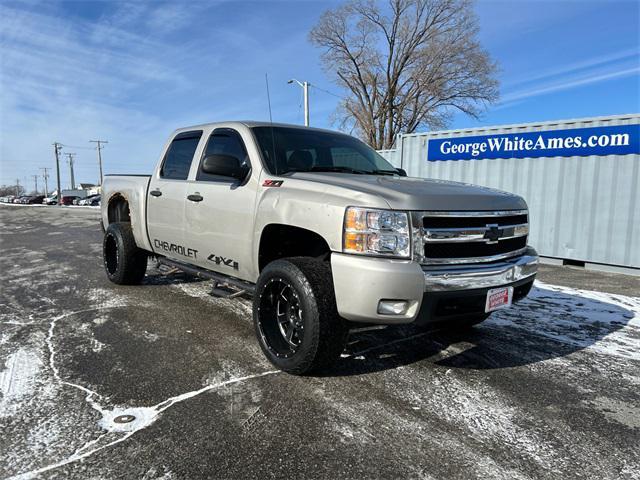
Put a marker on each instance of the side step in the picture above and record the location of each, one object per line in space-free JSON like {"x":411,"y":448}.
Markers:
{"x":224,"y":285}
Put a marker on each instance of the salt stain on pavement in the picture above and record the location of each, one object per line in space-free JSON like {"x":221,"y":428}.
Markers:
{"x":141,"y":417}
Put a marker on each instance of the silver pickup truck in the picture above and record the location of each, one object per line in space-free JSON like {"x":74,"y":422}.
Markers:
{"x":322,"y":231}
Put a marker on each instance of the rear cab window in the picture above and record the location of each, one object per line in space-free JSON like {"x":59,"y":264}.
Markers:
{"x":177,"y":160}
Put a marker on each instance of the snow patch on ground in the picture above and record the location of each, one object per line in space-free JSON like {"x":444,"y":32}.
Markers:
{"x":18,"y":378}
{"x":601,"y":322}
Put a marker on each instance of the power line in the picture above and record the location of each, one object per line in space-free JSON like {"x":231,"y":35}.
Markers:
{"x":326,"y":91}
{"x":76,"y":146}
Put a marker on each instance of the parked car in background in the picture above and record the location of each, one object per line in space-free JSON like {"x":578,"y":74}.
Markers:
{"x":35,"y":199}
{"x":95,"y":201}
{"x":21,"y":199}
{"x":88,"y":200}
{"x":52,"y":200}
{"x":67,"y":200}
{"x":7,"y":199}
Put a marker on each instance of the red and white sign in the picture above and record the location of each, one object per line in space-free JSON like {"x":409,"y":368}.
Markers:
{"x":498,"y":298}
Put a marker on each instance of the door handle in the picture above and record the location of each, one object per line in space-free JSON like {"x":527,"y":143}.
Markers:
{"x":195,"y":197}
{"x":155,"y":193}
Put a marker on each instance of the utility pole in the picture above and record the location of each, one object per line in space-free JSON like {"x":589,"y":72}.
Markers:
{"x":73,"y":182}
{"x":99,"y":147}
{"x":57,"y":147}
{"x":305,"y":89}
{"x":45,"y":175}
{"x":35,"y":179}
{"x":17,"y":187}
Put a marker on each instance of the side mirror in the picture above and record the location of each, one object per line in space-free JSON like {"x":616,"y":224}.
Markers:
{"x":401,"y":172}
{"x":223,"y":165}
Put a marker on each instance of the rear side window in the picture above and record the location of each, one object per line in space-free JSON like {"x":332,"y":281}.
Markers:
{"x":177,"y":161}
{"x":224,"y":141}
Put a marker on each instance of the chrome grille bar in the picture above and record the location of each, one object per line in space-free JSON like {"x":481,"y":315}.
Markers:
{"x":475,"y":234}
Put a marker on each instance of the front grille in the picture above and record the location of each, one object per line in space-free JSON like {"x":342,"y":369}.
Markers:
{"x":472,"y":250}
{"x":471,"y":237}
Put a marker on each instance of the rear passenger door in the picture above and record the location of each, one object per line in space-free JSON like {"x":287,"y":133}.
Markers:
{"x":167,"y":198}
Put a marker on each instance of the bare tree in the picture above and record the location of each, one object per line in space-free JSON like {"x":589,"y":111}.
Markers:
{"x":407,"y":65}
{"x":6,"y":190}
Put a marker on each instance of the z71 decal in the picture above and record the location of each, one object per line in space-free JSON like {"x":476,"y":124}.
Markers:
{"x":272,"y":183}
{"x":227,"y":262}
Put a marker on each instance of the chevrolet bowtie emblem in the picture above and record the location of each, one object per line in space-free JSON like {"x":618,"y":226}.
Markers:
{"x":493,"y":233}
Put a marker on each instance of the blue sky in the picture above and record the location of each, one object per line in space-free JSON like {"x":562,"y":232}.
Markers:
{"x":130,"y":73}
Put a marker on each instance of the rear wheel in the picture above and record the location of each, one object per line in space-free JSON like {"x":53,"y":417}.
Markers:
{"x":295,"y":315}
{"x":124,"y":262}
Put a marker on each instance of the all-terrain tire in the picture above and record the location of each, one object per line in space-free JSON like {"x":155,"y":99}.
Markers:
{"x":124,"y":262}
{"x":324,"y":333}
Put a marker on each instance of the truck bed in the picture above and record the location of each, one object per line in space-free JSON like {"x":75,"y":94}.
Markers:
{"x":133,"y":189}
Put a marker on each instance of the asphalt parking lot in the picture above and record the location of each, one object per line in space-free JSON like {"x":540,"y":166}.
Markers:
{"x":164,"y":381}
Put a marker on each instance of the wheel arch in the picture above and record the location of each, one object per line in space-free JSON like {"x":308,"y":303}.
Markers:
{"x":118,"y":209}
{"x":279,"y":240}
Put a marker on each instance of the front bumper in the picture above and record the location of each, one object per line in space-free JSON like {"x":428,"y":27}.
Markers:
{"x":445,"y":279}
{"x":361,"y":282}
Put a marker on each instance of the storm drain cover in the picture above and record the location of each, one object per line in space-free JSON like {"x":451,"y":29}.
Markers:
{"x":124,"y":419}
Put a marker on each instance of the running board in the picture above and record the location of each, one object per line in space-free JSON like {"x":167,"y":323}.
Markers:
{"x":224,"y":285}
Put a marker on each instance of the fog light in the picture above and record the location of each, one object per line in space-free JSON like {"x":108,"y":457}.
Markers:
{"x":392,"y":307}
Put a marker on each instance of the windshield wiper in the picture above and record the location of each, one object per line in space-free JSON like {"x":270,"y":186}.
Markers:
{"x":384,"y":172}
{"x":335,"y":168}
{"x":343,"y":169}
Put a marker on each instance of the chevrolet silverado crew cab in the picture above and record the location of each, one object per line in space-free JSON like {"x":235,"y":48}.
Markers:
{"x":322,"y":231}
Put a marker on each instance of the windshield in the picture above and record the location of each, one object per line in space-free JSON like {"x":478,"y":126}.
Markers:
{"x":306,"y":150}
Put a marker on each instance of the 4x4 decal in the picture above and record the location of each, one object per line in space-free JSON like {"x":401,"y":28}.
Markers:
{"x":227,"y":262}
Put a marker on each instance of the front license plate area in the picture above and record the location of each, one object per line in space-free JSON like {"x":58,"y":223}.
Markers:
{"x":498,"y":298}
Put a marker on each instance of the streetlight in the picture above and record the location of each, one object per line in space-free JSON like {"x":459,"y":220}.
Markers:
{"x":305,"y":88}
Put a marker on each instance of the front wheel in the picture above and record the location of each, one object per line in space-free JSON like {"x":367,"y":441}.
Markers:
{"x":124,"y":262}
{"x":295,"y":315}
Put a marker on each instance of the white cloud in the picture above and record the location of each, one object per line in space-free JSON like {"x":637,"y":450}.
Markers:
{"x":73,"y":81}
{"x":568,"y":84}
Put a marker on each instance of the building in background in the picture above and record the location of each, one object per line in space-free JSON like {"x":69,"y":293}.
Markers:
{"x":579,"y":177}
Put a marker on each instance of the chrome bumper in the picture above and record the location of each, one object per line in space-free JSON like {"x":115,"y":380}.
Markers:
{"x":465,"y":277}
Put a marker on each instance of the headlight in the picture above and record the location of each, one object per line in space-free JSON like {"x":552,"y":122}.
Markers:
{"x":376,"y":232}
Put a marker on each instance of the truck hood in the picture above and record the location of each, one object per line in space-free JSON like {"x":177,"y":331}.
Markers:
{"x":408,"y":193}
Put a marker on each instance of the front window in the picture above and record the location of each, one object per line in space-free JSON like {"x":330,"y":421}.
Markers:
{"x":287,"y":149}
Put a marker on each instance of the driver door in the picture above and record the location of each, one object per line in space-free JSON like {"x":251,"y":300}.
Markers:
{"x":219,"y":212}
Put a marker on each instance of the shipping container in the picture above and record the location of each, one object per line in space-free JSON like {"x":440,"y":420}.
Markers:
{"x":579,"y":177}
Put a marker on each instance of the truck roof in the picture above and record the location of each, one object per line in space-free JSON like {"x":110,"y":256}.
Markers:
{"x":250,"y":124}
